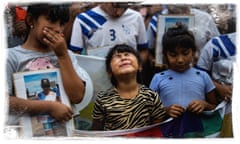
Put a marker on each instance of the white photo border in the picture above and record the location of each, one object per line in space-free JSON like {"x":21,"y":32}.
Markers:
{"x":20,"y":90}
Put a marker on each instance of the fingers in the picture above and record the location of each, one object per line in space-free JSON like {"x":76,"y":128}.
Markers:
{"x":175,"y":111}
{"x":65,"y":115}
{"x":175,"y":114}
{"x":68,"y":116}
{"x":196,"y":107}
{"x":52,"y":37}
{"x":228,"y":98}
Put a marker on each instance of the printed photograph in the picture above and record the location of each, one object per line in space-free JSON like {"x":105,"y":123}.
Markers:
{"x":43,"y":86}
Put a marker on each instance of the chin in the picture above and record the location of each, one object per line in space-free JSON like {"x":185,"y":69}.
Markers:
{"x":179,"y":69}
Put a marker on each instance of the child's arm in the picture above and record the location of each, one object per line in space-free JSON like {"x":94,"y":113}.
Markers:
{"x":224,"y":91}
{"x":73,"y":85}
{"x":199,"y":106}
{"x":57,"y":110}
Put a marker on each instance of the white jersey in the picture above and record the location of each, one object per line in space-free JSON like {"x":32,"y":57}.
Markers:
{"x":51,"y":96}
{"x":95,"y":29}
{"x":217,"y":57}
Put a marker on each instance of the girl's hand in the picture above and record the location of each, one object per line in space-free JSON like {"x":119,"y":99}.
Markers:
{"x":197,"y":106}
{"x":55,"y":41}
{"x":175,"y":110}
{"x":60,"y":111}
{"x":225,"y":92}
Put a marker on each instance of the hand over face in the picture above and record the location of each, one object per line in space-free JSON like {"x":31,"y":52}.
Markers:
{"x":55,"y":41}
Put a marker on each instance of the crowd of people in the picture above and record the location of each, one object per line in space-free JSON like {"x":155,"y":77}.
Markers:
{"x":195,"y":76}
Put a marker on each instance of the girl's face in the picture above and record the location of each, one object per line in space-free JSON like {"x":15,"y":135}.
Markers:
{"x":180,"y":59}
{"x":124,"y":63}
{"x":44,"y":21}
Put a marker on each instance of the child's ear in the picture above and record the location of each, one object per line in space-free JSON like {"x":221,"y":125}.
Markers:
{"x":140,"y":68}
{"x":109,"y":74}
{"x":29,"y":20}
{"x":195,"y":53}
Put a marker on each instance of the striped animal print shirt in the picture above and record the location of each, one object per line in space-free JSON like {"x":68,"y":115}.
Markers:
{"x":118,"y":113}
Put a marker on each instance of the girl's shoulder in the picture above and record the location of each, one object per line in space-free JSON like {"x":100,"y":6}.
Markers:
{"x":106,"y":93}
{"x":147,"y":92}
{"x":163,"y":74}
{"x":16,"y":52}
{"x":200,"y":73}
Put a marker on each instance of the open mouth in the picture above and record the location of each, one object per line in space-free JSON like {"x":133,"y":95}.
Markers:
{"x":125,"y":65}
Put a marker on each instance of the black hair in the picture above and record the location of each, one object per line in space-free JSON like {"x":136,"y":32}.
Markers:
{"x":45,"y":82}
{"x":54,"y":12}
{"x":120,"y":49}
{"x":178,"y":36}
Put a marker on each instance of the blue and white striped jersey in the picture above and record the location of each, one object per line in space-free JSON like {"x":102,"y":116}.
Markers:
{"x":217,"y":58}
{"x":221,"y":47}
{"x":94,"y":29}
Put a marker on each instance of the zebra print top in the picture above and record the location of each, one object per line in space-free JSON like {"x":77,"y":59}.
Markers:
{"x":117,"y":113}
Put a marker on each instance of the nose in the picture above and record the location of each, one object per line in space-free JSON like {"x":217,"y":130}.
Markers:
{"x":180,"y":59}
{"x":123,"y":57}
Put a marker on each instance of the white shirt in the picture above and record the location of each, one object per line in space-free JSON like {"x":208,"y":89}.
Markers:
{"x":95,"y":29}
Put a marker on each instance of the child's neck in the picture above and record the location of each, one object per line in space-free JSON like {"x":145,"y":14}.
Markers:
{"x":31,"y":45}
{"x":128,"y":90}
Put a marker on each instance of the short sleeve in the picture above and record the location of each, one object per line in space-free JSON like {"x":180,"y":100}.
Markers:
{"x":209,"y":83}
{"x":154,"y":83}
{"x":206,"y":57}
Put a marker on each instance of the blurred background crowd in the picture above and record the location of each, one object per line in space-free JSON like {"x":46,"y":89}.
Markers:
{"x":224,"y":16}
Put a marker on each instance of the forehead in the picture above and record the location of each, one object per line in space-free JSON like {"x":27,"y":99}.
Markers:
{"x":120,"y":52}
{"x":179,"y":49}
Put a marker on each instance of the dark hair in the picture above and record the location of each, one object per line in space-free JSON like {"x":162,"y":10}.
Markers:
{"x":54,"y":12}
{"x":120,"y":49}
{"x":178,"y":36}
{"x":45,"y":82}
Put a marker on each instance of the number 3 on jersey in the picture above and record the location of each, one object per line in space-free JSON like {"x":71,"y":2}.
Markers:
{"x":112,"y":34}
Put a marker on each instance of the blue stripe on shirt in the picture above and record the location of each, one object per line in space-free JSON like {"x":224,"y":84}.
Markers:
{"x":89,"y":22}
{"x":98,"y":18}
{"x":216,"y":43}
{"x":75,"y":49}
{"x":154,"y":24}
{"x":230,"y":47}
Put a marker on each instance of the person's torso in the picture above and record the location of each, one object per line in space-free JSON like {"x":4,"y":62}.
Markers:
{"x":127,"y":113}
{"x":181,"y":88}
{"x":103,"y":32}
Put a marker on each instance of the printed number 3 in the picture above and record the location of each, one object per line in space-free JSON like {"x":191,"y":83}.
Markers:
{"x":112,"y":34}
